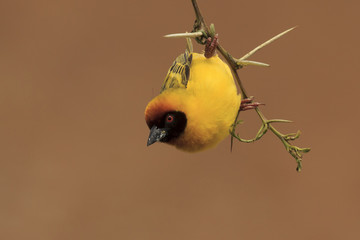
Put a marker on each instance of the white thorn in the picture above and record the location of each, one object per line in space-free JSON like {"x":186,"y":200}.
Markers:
{"x":264,"y":44}
{"x":248,"y":62}
{"x":184,"y":35}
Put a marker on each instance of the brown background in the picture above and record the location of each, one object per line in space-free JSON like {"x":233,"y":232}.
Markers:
{"x":75,"y":77}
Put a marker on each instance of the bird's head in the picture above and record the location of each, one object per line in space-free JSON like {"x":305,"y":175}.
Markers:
{"x":165,"y":120}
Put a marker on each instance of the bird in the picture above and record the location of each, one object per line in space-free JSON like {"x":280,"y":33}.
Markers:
{"x":197,"y":104}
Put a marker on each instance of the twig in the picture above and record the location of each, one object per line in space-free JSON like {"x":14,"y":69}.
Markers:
{"x":201,"y":32}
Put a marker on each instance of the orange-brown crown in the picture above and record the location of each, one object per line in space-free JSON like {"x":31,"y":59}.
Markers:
{"x":158,"y":107}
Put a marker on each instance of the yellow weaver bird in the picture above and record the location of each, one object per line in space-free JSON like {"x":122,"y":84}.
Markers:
{"x":197,"y":104}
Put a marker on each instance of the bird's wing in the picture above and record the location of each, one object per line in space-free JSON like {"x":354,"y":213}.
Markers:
{"x":179,"y":72}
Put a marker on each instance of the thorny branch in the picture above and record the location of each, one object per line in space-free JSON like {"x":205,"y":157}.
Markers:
{"x":201,"y":32}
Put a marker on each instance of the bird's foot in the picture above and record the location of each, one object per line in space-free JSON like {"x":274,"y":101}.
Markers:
{"x":210,"y":46}
{"x":247,"y":104}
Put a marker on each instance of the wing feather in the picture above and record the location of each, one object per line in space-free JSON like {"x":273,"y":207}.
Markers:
{"x":179,"y":72}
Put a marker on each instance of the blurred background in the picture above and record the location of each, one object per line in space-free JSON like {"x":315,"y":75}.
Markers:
{"x":75,"y":77}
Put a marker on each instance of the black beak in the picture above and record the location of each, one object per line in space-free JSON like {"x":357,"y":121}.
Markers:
{"x":156,"y":135}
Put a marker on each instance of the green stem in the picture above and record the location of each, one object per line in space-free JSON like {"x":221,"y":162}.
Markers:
{"x":295,"y":151}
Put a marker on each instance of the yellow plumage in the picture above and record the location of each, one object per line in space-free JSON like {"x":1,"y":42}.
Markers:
{"x":204,"y":90}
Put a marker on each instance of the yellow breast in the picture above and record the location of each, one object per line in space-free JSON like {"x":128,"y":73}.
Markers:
{"x":212,"y":103}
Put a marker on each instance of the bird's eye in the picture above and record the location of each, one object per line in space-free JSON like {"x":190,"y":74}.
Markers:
{"x":169,"y":118}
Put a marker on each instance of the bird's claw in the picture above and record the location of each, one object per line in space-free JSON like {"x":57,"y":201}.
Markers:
{"x":210,"y":46}
{"x":247,"y":104}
